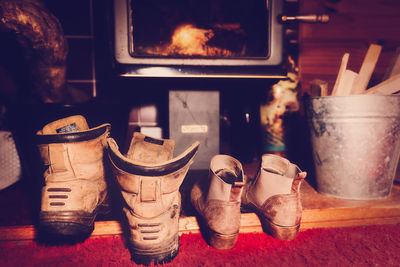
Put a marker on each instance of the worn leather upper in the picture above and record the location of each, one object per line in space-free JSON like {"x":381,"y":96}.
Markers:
{"x":217,"y":197}
{"x":275,"y":191}
{"x":73,"y":154}
{"x":149,"y":177}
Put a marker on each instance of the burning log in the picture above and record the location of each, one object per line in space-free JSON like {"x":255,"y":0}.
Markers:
{"x":188,"y":40}
{"x":40,"y":35}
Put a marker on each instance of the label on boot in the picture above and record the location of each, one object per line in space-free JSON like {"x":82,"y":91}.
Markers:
{"x":68,"y":128}
{"x":148,"y":139}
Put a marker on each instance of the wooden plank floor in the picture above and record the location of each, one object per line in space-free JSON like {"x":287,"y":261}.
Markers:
{"x":319,"y":211}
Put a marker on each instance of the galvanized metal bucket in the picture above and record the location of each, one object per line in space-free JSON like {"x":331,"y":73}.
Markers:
{"x":356,"y":144}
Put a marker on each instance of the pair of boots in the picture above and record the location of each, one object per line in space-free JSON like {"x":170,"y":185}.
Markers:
{"x":148,"y":177}
{"x":274,"y":194}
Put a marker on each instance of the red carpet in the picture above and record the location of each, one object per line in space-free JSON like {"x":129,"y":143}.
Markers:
{"x":356,"y":246}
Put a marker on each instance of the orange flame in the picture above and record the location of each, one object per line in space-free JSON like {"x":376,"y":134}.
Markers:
{"x":188,"y":40}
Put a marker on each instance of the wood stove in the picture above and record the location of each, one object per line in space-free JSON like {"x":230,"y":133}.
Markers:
{"x":219,"y":48}
{"x":209,"y":38}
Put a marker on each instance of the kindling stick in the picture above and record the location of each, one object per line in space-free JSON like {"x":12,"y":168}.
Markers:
{"x":367,"y":68}
{"x":394,"y":66}
{"x":318,"y":88}
{"x":387,"y":87}
{"x":346,"y":83}
{"x":342,"y":69}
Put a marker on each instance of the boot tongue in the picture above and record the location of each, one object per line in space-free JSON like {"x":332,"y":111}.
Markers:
{"x":70,"y":124}
{"x":147,"y":150}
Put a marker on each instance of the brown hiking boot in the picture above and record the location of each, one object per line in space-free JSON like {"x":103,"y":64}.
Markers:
{"x":217,"y":200}
{"x":149,"y":178}
{"x":75,"y":187}
{"x":274,"y":194}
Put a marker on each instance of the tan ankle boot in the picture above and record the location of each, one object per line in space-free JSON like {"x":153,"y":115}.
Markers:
{"x":149,"y":179}
{"x":75,"y":187}
{"x":274,"y":194}
{"x":217,"y":200}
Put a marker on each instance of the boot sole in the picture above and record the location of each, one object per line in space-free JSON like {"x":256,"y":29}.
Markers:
{"x":69,"y":223}
{"x":281,"y":232}
{"x":157,"y":256}
{"x":221,"y":241}
{"x":276,"y":231}
{"x":214,"y":239}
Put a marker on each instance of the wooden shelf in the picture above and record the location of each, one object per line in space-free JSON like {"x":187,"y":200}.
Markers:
{"x":319,"y":211}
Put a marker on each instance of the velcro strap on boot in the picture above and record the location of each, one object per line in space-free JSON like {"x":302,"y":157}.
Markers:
{"x":57,"y":158}
{"x":148,"y":189}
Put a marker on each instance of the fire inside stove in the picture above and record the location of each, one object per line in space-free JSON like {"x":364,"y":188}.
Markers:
{"x":199,"y":29}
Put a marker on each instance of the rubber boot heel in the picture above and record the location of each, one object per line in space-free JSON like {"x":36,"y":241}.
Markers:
{"x":281,"y":232}
{"x":221,"y":241}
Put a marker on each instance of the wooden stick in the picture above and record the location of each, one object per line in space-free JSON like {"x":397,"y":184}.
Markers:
{"x":394,"y":66}
{"x":346,"y":83}
{"x":367,"y":68}
{"x":318,"y":88}
{"x":390,"y":86}
{"x":342,"y":69}
{"x":324,"y":88}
